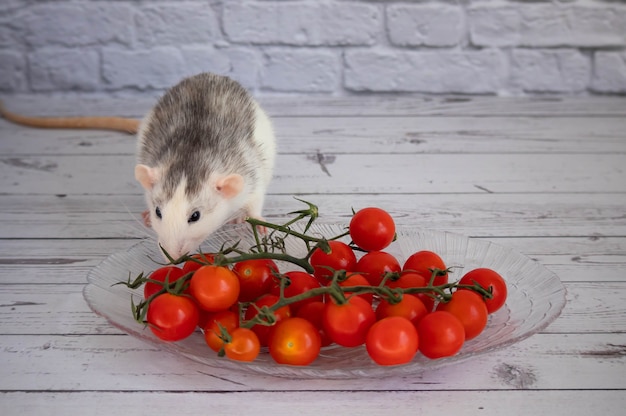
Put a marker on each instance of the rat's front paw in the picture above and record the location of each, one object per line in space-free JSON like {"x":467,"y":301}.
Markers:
{"x":262,"y":229}
{"x":238,"y":220}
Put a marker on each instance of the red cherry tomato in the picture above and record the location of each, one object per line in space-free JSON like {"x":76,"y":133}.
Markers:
{"x":347,"y":324}
{"x":488,"y":279}
{"x":357,"y":280}
{"x":372,"y":229}
{"x":297,"y":283}
{"x":263,"y":331}
{"x":441,"y":334}
{"x":408,"y":280}
{"x":172,"y":273}
{"x":375,"y":264}
{"x":243,"y":346}
{"x":171,"y":317}
{"x":471,"y":310}
{"x":410,"y":307}
{"x":256,"y":278}
{"x":203,"y":259}
{"x":341,"y":257}
{"x":424,"y":262}
{"x":392,"y":341}
{"x":295,"y":341}
{"x":214,"y":288}
{"x":312,"y":312}
{"x":212,"y":331}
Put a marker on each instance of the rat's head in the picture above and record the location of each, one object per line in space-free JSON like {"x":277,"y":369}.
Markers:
{"x":184,"y":219}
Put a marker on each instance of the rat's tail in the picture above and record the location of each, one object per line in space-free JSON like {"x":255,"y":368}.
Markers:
{"x":99,"y":123}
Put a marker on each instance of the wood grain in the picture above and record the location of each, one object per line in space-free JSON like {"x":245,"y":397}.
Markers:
{"x":544,"y":176}
{"x":350,"y":135}
{"x":544,"y":361}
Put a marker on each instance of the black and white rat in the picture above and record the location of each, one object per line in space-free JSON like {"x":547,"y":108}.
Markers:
{"x":205,"y":156}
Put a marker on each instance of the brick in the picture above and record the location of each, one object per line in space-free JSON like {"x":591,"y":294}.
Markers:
{"x":548,"y":25}
{"x":550,"y":70}
{"x":64,"y":69}
{"x":609,"y":75}
{"x":10,"y":36}
{"x":238,"y":63}
{"x":180,"y":23}
{"x":416,"y":71}
{"x":8,"y":5}
{"x":76,"y":24}
{"x":415,"y":25}
{"x":301,"y":71}
{"x":12,"y":71}
{"x":302,"y":23}
{"x":157,"y":68}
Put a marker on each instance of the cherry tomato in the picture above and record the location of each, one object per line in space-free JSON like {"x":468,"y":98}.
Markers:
{"x":172,"y":273}
{"x":410,"y":307}
{"x":392,"y":341}
{"x":488,"y":279}
{"x":204,"y":259}
{"x":341,"y":257}
{"x":347,"y":324}
{"x":295,"y":341}
{"x":424,"y":262}
{"x":372,"y":229}
{"x":255,"y":278}
{"x":441,"y":334}
{"x":312,"y":312}
{"x":296,"y":284}
{"x":471,"y":310}
{"x":171,"y":317}
{"x":215,"y":288}
{"x":212,"y":331}
{"x":408,"y":280}
{"x":357,"y":280}
{"x":375,"y":264}
{"x":263,"y":331}
{"x":243,"y":346}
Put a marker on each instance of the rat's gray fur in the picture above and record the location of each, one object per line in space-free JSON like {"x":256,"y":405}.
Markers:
{"x":206,"y":150}
{"x":204,"y":124}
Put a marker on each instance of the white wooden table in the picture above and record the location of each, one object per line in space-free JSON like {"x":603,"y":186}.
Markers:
{"x":545,"y":176}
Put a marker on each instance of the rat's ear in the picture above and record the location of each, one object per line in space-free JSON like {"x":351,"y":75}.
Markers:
{"x":146,"y":176}
{"x":229,"y":186}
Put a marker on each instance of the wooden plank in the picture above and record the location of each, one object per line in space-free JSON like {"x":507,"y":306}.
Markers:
{"x":341,"y":135}
{"x":54,"y":261}
{"x":573,"y":259}
{"x":549,"y":184}
{"x":366,"y":403}
{"x":378,"y":105}
{"x":479,"y":215}
{"x":346,"y":174}
{"x":122,"y":363}
{"x":592,"y":307}
{"x":446,"y":106}
{"x":17,"y":140}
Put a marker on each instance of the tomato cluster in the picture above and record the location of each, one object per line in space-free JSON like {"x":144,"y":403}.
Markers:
{"x":357,"y":294}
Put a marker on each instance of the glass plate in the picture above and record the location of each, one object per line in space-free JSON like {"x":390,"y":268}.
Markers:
{"x":536,"y":297}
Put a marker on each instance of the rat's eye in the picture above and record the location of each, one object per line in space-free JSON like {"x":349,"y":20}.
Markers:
{"x":157,"y":212}
{"x":194,"y":217}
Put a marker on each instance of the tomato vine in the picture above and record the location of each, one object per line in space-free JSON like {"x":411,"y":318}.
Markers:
{"x":269,"y":243}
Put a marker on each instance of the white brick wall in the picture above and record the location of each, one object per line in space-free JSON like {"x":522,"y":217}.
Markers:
{"x":332,"y":47}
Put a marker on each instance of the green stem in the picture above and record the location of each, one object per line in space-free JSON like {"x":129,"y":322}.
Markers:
{"x":282,"y":228}
{"x":272,"y":247}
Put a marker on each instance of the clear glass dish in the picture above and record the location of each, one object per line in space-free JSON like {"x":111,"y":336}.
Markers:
{"x":536,"y":297}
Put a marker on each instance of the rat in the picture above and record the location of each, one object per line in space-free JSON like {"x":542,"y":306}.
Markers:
{"x":205,"y":156}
